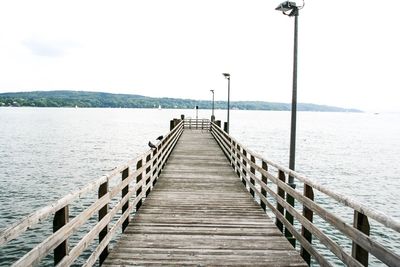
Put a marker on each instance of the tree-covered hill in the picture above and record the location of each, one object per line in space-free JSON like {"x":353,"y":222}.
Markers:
{"x":96,"y":99}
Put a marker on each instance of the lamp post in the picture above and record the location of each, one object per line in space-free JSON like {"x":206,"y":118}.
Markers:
{"x":228,"y":77}
{"x":292,"y":10}
{"x":212,"y":114}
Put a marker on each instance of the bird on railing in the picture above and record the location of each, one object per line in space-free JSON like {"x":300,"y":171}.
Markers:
{"x":160,"y":138}
{"x":151,"y":145}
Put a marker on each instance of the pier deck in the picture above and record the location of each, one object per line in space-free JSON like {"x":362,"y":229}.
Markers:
{"x":199,"y":213}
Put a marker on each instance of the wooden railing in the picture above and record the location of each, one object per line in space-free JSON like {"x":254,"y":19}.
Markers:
{"x":133,"y":183}
{"x":197,"y":124}
{"x":267,"y":183}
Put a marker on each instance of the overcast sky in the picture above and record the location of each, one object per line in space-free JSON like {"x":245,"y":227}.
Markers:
{"x":349,"y":51}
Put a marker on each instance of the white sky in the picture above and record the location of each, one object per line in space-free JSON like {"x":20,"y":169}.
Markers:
{"x":349,"y":51}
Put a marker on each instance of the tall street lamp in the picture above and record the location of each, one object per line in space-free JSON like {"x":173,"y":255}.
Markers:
{"x":228,"y":77}
{"x":212,"y":114}
{"x":292,"y":10}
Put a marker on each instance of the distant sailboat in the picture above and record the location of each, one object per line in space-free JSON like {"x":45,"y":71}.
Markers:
{"x":159,"y":107}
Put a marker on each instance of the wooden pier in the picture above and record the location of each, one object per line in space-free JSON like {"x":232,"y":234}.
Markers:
{"x":201,"y":214}
{"x":201,"y":198}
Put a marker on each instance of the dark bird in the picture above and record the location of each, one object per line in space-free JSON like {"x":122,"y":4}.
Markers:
{"x":160,"y":138}
{"x":151,"y":145}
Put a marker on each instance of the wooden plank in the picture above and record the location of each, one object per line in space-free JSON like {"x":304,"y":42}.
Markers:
{"x":200,"y":213}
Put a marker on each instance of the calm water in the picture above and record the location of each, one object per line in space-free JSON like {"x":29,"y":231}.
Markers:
{"x":45,"y":153}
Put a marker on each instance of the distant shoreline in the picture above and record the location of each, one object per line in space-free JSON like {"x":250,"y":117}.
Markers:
{"x":83,"y":99}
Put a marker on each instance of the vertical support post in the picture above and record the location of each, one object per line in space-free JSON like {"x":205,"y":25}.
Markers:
{"x":182,"y":116}
{"x":264,"y":180}
{"x":125,"y":190}
{"x":139,"y":164}
{"x":253,"y":171}
{"x":61,"y":218}
{"x":147,"y":182}
{"x":218,"y":123}
{"x":238,"y":158}
{"x":244,"y":169}
{"x":361,"y":223}
{"x":308,"y":214}
{"x":176,"y":122}
{"x":171,"y":125}
{"x":155,"y":167}
{"x":103,"y":190}
{"x":226,"y":127}
{"x":232,"y":152}
{"x":281,"y":193}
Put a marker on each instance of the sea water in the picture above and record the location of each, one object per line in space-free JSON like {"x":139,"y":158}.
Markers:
{"x":48,"y":152}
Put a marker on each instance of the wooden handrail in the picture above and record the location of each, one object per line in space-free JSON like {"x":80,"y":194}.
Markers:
{"x":154,"y":161}
{"x":253,"y":170}
{"x":196,"y":124}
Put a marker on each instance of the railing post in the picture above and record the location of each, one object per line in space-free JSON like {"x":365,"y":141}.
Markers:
{"x":155,"y":167}
{"x":308,"y":214}
{"x":232,"y":153}
{"x":218,"y":123}
{"x":148,"y":169}
{"x":253,"y":171}
{"x":361,"y":223}
{"x":176,"y":122}
{"x":61,"y":218}
{"x":103,"y":190}
{"x":138,"y":179}
{"x":263,"y":191}
{"x":281,"y":193}
{"x":125,"y":190}
{"x":238,"y":158}
{"x":225,"y":127}
{"x":244,"y":169}
{"x":171,"y":125}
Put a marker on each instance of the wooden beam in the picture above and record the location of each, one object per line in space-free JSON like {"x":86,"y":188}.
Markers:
{"x":361,"y":223}
{"x":61,"y":218}
{"x":103,"y":190}
{"x":125,"y":174}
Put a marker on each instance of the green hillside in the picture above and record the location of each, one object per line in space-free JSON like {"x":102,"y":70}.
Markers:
{"x":103,"y":100}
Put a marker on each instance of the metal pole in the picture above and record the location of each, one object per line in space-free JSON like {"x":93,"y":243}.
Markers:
{"x":213,"y":103}
{"x":294,"y":103}
{"x":229,"y":92}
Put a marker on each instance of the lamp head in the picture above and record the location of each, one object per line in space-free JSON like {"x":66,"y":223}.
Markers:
{"x":226,"y":75}
{"x":286,"y":6}
{"x":290,"y":7}
{"x":212,"y":91}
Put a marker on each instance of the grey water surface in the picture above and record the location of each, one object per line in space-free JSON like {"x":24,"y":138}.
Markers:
{"x":48,"y":152}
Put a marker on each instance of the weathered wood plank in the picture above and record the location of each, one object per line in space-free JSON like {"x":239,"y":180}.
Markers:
{"x":199,"y":213}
